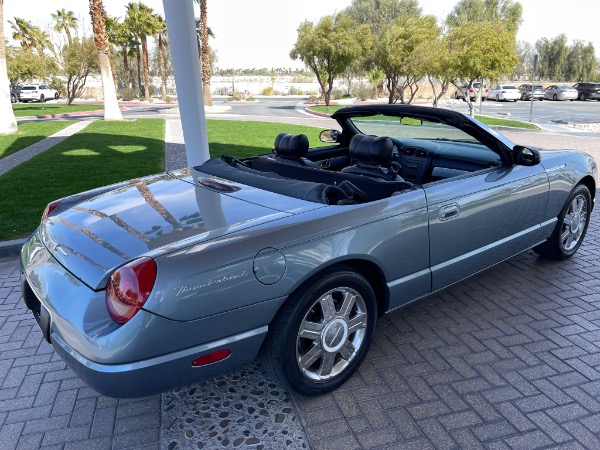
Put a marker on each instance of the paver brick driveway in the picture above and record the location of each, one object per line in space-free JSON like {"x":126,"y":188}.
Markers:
{"x":507,"y":359}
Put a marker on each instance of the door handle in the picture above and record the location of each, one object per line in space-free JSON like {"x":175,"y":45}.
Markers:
{"x":449,"y":211}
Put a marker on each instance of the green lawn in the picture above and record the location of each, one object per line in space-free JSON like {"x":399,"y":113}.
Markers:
{"x":484,"y":119}
{"x":29,"y":133}
{"x":101,"y":154}
{"x":243,"y":139}
{"x":42,"y":109}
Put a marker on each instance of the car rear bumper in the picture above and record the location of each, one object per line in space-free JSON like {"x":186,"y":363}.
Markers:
{"x":154,"y":375}
{"x":148,"y":354}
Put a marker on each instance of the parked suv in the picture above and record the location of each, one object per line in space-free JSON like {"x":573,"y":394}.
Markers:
{"x":460,"y":93}
{"x":588,"y":90}
{"x":527,"y":92}
{"x":39,"y":92}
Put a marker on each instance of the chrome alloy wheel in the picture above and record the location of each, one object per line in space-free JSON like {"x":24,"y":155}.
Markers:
{"x":574,"y":223}
{"x":331,"y":334}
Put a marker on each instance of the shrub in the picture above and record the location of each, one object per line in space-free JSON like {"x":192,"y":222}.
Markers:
{"x":295,"y":91}
{"x":58,"y":85}
{"x":128,"y":93}
{"x":337,"y":94}
{"x":267,"y":91}
{"x":362,"y":91}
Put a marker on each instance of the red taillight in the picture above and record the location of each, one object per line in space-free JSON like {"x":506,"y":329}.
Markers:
{"x":129,"y":287}
{"x":50,"y":208}
{"x":211,"y":358}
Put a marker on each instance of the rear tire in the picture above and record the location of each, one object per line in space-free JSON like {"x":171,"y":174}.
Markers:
{"x":554,"y":97}
{"x":42,"y":98}
{"x":322,"y":333}
{"x":571,"y":227}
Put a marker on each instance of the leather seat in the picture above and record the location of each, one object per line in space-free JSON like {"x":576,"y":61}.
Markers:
{"x":371,"y":157}
{"x":292,"y":148}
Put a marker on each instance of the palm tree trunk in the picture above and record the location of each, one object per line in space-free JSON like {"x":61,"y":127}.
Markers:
{"x":205,"y":67}
{"x":139,"y":68}
{"x":128,"y":73}
{"x":146,"y":75}
{"x":8,"y":123}
{"x":113,"y":68}
{"x":163,"y":74}
{"x":111,"y":106}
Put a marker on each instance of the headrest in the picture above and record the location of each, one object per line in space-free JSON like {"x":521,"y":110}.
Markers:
{"x":374,"y":149}
{"x":291,"y":145}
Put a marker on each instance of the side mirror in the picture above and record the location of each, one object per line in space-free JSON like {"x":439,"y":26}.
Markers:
{"x":525,"y":156}
{"x":330,"y":136}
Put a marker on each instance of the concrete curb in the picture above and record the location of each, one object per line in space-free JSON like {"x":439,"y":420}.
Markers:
{"x":74,"y":114}
{"x":9,"y":249}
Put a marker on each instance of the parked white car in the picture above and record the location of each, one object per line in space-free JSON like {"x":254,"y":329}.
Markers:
{"x":37,"y":92}
{"x":504,"y":92}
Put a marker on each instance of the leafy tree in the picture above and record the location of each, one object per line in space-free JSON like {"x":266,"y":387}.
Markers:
{"x":581,"y":61}
{"x":552,"y":56}
{"x":140,"y":20}
{"x":525,"y":54}
{"x":8,"y":122}
{"x":438,"y":63}
{"x":329,"y":47}
{"x":380,"y":13}
{"x":482,"y":50}
{"x":65,"y":21}
{"x":508,"y":12}
{"x":393,"y":53}
{"x":111,"y":106}
{"x":23,"y":65}
{"x":77,"y":61}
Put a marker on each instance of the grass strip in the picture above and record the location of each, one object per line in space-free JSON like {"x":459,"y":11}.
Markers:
{"x":244,"y":139}
{"x":103,"y":153}
{"x":42,"y":109}
{"x":29,"y":133}
{"x":491,"y":121}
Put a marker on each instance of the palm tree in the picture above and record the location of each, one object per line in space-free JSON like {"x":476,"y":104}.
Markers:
{"x":111,"y":106}
{"x":118,"y":34}
{"x":8,"y":123}
{"x":22,"y":32}
{"x":204,"y":51}
{"x":65,"y":21}
{"x":112,"y":30}
{"x":140,"y":21}
{"x":161,"y":34}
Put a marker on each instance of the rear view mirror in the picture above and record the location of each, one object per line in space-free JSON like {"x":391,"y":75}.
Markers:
{"x":330,"y":136}
{"x":410,"y":121}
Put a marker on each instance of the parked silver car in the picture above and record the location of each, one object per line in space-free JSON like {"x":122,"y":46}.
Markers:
{"x":177,"y":277}
{"x":528,"y":90}
{"x":560,"y":92}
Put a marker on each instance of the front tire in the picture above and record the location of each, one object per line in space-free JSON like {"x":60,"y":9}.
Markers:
{"x":322,"y":333}
{"x":56,"y":96}
{"x":497,"y":98}
{"x":571,"y":227}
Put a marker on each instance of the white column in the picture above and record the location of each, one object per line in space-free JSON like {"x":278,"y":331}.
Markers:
{"x":181,"y":26}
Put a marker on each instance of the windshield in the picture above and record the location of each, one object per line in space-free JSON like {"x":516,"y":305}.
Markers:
{"x":409,"y":128}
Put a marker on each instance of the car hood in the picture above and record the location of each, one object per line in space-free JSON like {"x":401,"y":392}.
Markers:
{"x":153,"y":216}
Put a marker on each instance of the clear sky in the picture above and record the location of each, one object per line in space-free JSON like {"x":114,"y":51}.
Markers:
{"x":261,"y":33}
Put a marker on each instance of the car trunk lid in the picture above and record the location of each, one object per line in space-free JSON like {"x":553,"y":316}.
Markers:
{"x":153,"y":216}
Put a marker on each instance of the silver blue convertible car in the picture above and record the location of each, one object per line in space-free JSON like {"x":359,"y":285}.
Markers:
{"x":291,"y":255}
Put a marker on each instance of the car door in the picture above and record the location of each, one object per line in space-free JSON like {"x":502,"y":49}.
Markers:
{"x":481,"y":218}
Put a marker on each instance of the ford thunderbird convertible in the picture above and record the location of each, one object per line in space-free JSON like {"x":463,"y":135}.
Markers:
{"x":293,"y":254}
